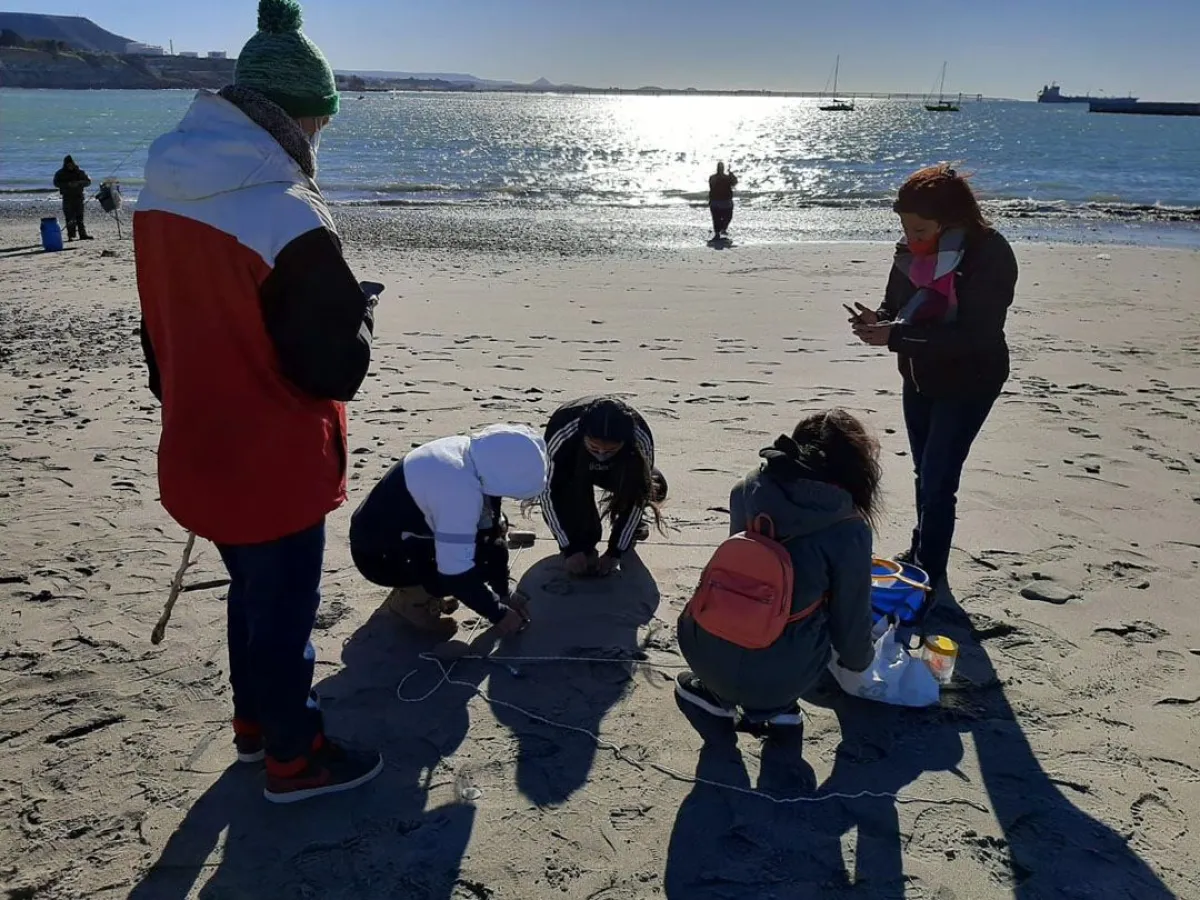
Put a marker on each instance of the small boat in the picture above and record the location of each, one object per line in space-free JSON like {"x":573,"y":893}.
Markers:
{"x":944,"y":105}
{"x":836,"y":105}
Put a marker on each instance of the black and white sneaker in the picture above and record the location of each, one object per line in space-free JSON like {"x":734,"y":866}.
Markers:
{"x":792,"y":718}
{"x":692,"y":690}
{"x":781,"y":725}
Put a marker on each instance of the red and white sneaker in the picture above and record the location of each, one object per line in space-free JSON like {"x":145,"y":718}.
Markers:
{"x":248,"y":740}
{"x":326,"y":769}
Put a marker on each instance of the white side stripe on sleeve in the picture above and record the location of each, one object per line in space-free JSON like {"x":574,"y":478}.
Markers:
{"x":646,"y":448}
{"x":553,"y":447}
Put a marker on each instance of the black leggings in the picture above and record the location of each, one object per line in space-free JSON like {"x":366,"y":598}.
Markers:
{"x":579,"y":515}
{"x":73,"y":213}
{"x":721,"y":216}
{"x":414,"y":562}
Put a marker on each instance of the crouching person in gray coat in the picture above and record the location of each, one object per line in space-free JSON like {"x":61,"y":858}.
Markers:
{"x":818,"y":489}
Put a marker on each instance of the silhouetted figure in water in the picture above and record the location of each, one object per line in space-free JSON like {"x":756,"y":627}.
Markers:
{"x":720,"y":200}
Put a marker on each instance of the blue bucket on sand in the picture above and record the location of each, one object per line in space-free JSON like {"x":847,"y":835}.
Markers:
{"x":898,"y":590}
{"x":51,"y":235}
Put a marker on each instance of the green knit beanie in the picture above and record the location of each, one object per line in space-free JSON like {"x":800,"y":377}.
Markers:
{"x":285,"y":66}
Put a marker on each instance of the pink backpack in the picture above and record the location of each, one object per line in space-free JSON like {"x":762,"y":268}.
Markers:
{"x":745,"y":591}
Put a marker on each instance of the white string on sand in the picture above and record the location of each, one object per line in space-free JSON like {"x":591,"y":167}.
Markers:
{"x":618,"y":752}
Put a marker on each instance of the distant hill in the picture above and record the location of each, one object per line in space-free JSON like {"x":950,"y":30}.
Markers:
{"x":78,"y":32}
{"x":24,"y":67}
{"x":450,"y":77}
{"x":461,"y":78}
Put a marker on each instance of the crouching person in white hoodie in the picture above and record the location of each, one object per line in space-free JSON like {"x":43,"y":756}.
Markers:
{"x":432,"y":528}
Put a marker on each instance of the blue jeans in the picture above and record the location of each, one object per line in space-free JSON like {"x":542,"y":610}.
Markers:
{"x":940,"y":434}
{"x":274,"y":593}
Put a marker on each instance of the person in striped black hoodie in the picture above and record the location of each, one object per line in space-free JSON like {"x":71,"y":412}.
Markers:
{"x":600,"y":442}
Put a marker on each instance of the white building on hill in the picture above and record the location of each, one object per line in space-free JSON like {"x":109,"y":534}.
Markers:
{"x":136,"y":48}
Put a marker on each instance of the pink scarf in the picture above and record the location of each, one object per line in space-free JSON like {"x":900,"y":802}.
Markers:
{"x":936,"y":301}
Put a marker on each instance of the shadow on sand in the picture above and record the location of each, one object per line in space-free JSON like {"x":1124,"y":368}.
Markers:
{"x":730,"y":846}
{"x":375,"y":842}
{"x":572,"y":617}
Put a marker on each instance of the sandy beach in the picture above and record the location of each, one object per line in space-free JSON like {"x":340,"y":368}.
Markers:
{"x":1066,"y":765}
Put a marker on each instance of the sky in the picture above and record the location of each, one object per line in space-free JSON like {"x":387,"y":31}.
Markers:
{"x":1005,"y":48}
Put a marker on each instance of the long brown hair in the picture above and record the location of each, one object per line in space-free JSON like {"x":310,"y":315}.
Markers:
{"x":942,"y":195}
{"x":635,"y":486}
{"x":848,"y":456}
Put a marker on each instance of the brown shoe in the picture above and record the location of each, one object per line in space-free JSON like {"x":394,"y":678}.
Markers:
{"x":447,"y":605}
{"x":518,"y":539}
{"x":424,"y":613}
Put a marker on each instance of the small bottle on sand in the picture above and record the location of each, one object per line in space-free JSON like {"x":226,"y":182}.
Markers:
{"x":940,"y":654}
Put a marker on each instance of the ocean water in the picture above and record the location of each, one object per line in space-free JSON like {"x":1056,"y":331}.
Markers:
{"x":1054,"y":164}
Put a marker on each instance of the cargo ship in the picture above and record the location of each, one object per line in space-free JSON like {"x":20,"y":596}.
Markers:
{"x":1052,"y":94}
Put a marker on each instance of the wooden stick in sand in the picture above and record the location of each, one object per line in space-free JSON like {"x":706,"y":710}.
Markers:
{"x":160,"y":630}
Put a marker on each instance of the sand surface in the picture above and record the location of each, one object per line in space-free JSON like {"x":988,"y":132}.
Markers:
{"x":1071,"y":756}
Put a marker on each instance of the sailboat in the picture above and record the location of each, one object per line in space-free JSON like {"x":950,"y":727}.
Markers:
{"x":943,"y":105}
{"x":836,"y":105}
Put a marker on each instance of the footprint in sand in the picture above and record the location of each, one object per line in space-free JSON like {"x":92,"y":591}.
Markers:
{"x":1156,"y":815}
{"x":1136,"y":632}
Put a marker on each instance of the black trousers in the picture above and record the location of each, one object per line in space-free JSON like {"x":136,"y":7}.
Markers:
{"x":940,"y":434}
{"x":73,"y":213}
{"x":721,"y":216}
{"x":579,"y":515}
{"x":413,"y":562}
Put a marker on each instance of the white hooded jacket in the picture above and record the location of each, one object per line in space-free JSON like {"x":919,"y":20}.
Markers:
{"x":449,"y":478}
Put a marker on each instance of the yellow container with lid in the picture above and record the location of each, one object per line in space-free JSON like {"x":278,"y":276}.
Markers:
{"x":940,"y":654}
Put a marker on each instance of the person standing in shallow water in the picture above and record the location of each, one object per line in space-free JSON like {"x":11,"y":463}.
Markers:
{"x":256,"y":334}
{"x":71,"y":181}
{"x":720,"y":200}
{"x":943,"y":315}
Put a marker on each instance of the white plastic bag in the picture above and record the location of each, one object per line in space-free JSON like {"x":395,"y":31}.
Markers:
{"x":894,"y":676}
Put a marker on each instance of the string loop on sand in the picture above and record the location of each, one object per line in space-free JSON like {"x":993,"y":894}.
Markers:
{"x":641,"y":765}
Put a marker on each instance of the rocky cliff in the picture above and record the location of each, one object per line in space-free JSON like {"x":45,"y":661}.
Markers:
{"x":26,"y":68}
{"x":76,"y":32}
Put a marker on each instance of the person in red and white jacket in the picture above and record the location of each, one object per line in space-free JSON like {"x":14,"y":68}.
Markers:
{"x":256,"y":333}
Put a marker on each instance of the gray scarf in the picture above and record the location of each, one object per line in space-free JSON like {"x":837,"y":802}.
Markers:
{"x":271,"y":118}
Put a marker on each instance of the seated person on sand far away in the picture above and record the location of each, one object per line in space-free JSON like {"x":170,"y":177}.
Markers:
{"x":815,"y":496}
{"x":432,"y":528}
{"x":600,"y":442}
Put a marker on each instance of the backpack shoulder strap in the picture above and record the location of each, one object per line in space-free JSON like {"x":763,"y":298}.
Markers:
{"x":762,"y":524}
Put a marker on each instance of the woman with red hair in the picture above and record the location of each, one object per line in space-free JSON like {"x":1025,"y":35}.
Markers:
{"x":943,"y":315}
